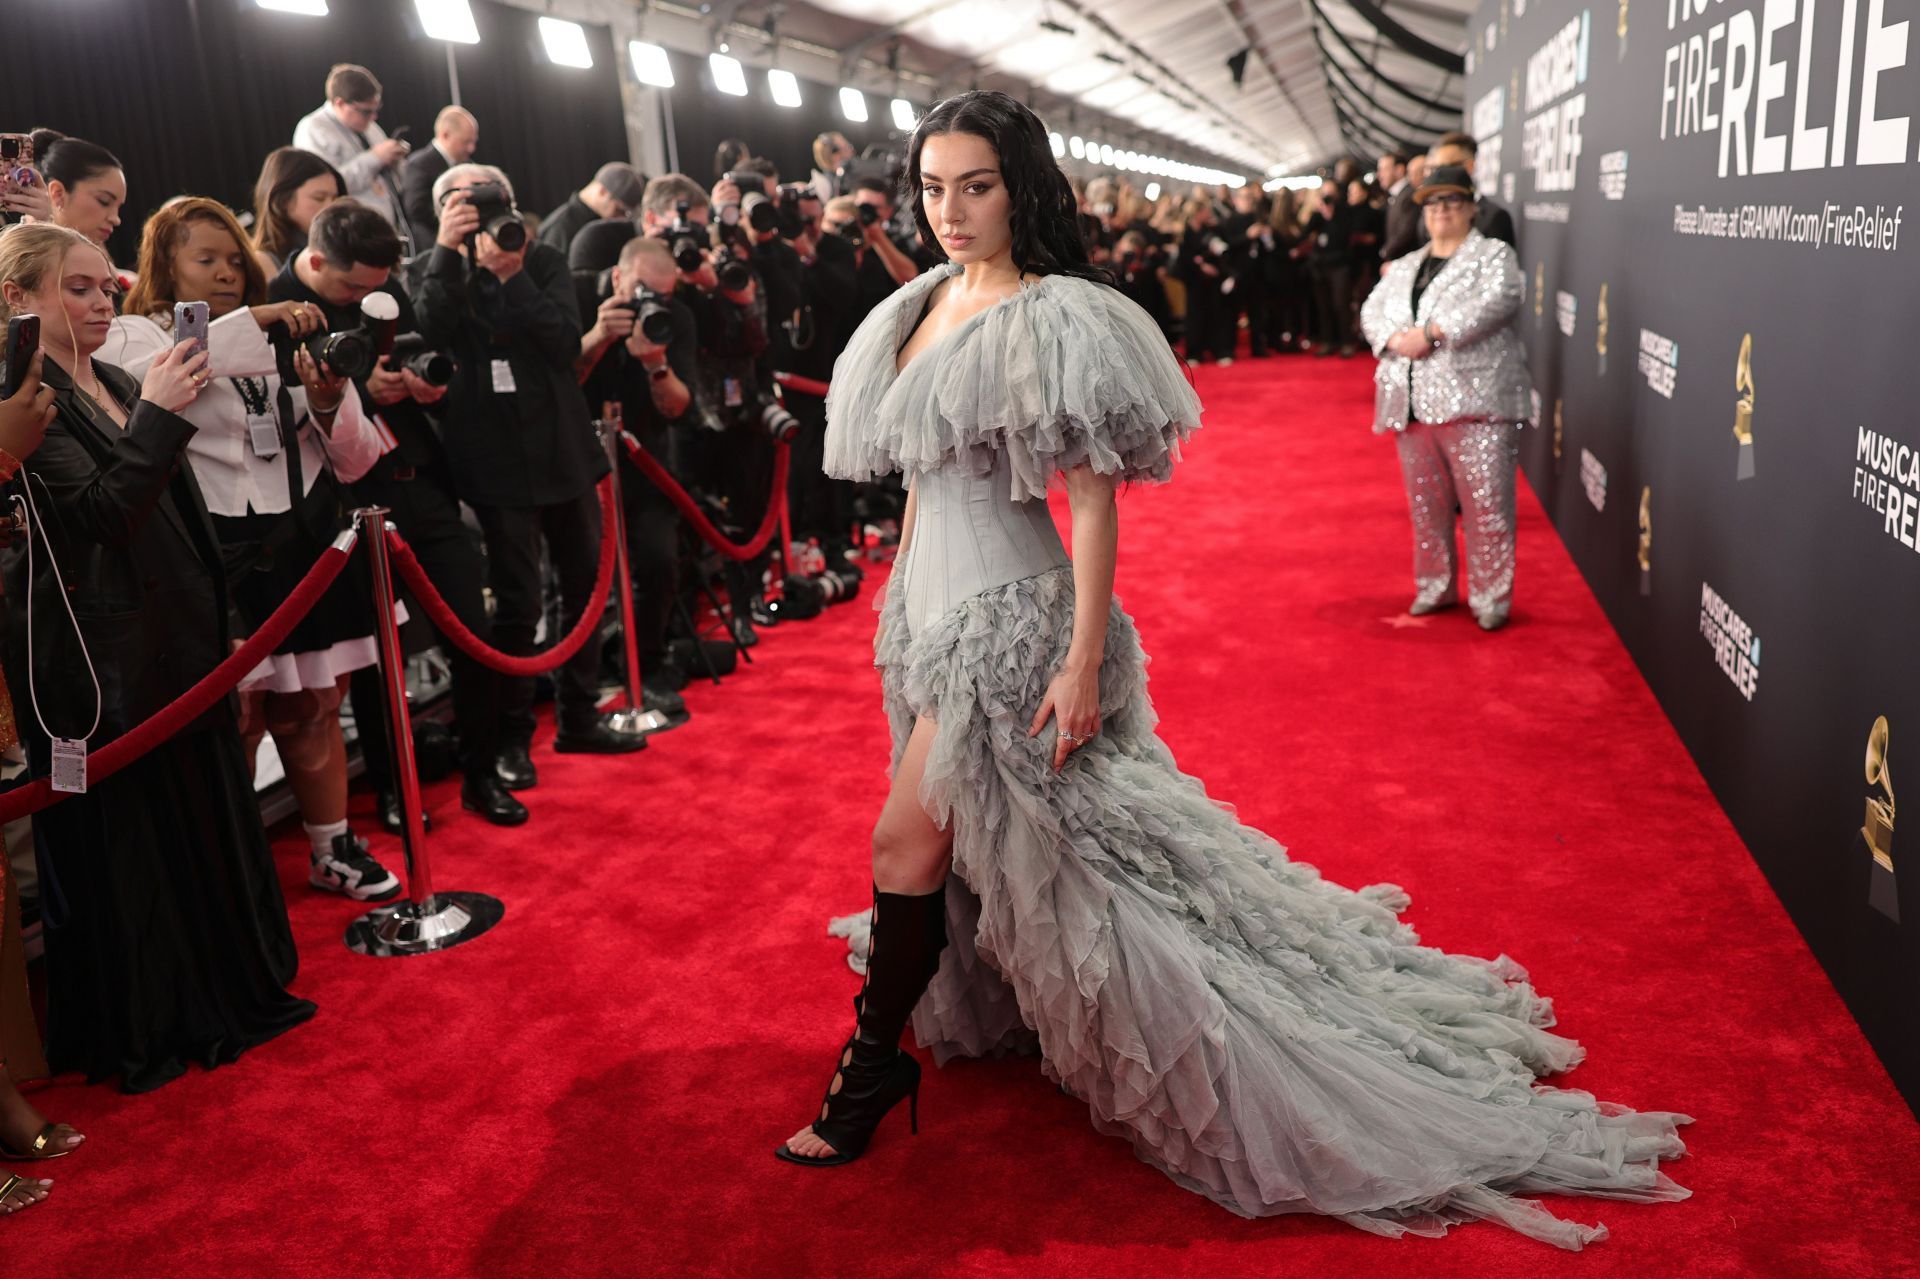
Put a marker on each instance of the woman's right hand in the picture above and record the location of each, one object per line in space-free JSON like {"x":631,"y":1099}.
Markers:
{"x":25,"y":416}
{"x":174,"y":379}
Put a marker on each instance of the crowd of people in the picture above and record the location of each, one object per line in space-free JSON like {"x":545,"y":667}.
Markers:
{"x":197,"y":425}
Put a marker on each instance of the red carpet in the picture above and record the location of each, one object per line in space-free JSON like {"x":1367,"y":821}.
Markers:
{"x":596,"y":1087}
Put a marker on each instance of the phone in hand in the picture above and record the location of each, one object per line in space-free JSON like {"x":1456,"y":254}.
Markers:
{"x":16,"y":168}
{"x":190,"y":323}
{"x":23,"y":340}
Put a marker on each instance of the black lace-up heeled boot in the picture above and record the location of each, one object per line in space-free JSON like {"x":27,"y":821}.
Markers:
{"x":909,"y":932}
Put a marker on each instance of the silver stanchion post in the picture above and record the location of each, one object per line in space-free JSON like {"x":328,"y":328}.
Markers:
{"x":636,"y":718}
{"x":426,"y":921}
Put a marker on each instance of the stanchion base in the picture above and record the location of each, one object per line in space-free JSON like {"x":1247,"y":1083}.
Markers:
{"x":639,"y":721}
{"x":444,"y":920}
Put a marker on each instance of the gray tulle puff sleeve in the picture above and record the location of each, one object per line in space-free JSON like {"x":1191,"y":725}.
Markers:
{"x":1063,"y":372}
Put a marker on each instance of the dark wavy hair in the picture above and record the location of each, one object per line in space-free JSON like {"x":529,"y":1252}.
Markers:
{"x":1045,"y":216}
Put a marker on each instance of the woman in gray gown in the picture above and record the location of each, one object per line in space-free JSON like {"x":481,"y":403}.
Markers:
{"x":1044,"y":874}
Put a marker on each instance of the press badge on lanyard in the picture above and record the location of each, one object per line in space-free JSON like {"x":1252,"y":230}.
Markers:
{"x":503,"y":378}
{"x":263,"y":433}
{"x":69,"y":765}
{"x":732,"y":389}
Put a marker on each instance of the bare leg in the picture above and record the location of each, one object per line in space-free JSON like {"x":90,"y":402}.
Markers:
{"x":306,"y":729}
{"x":910,"y":855}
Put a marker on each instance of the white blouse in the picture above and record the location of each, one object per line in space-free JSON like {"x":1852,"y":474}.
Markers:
{"x":233,"y":478}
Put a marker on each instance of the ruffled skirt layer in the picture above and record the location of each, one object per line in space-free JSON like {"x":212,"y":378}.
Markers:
{"x":1270,"y":1040}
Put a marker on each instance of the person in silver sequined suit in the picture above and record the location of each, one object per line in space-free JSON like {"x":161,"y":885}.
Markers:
{"x":1452,"y":384}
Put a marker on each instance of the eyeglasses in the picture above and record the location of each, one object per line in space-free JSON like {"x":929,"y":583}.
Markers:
{"x":370,"y":109}
{"x":1450,"y":200}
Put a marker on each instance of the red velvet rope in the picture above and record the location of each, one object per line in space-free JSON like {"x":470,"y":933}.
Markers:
{"x":482,"y":652}
{"x":190,"y":705}
{"x":776,"y":502}
{"x":803,"y":384}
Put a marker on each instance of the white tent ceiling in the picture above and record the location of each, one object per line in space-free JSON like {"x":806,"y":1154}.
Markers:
{"x":1158,"y":70}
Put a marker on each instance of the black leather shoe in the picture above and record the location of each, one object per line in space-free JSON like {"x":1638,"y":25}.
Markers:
{"x":761,"y":612}
{"x":388,"y":804}
{"x":489,"y":798}
{"x":744,"y":633}
{"x":662,"y":698}
{"x":515,"y":768}
{"x":599,"y":738}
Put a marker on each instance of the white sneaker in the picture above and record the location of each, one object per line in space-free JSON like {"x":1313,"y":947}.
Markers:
{"x":1224,"y":361}
{"x":348,"y":868}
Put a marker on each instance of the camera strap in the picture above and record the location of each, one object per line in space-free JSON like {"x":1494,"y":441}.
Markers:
{"x":290,"y":445}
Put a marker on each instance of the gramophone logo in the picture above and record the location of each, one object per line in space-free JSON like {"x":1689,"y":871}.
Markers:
{"x":1878,"y":828}
{"x":1539,"y":289}
{"x":1622,"y":28}
{"x":1503,"y":19}
{"x":1743,"y":408}
{"x":1600,"y":342}
{"x":1646,"y":539}
{"x":1559,"y":429}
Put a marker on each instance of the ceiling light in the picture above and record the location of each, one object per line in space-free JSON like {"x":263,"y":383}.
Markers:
{"x":1058,"y":143}
{"x":784,"y":87}
{"x":566,"y":43}
{"x":853,"y":104}
{"x":903,"y":115}
{"x":305,"y":8}
{"x":1076,"y":147}
{"x":1153,"y":190}
{"x":728,"y":76}
{"x":450,"y":20}
{"x":650,"y":65}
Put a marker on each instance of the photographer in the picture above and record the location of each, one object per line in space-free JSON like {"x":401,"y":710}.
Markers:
{"x":615,"y":192}
{"x":1136,"y":276}
{"x":345,"y":131}
{"x":1203,"y":266}
{"x":732,"y":458}
{"x":650,"y":379}
{"x":175,"y":947}
{"x":822,"y":506}
{"x":1328,"y":250}
{"x":520,"y":440}
{"x":1251,"y":244}
{"x":264,"y":453}
{"x":351,"y":258}
{"x":876,"y":214}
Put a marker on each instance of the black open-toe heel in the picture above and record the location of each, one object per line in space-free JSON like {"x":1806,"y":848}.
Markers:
{"x":872,"y":1080}
{"x":874,"y":1074}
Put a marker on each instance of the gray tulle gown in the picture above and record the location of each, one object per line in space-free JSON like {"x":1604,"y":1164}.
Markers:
{"x":1271,"y":1040}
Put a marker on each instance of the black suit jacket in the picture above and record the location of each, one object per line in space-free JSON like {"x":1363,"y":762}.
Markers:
{"x":140,"y":561}
{"x":416,"y":195}
{"x":1406,"y":227}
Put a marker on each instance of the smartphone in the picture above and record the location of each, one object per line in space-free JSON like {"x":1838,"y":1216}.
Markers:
{"x":23,"y":339}
{"x":190,"y":323}
{"x":400,"y":134}
{"x":16,"y":168}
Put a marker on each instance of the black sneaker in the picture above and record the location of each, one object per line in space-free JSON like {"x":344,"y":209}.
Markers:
{"x":350,"y":869}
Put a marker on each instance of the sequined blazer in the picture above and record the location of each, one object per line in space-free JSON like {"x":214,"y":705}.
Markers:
{"x":1479,"y":371}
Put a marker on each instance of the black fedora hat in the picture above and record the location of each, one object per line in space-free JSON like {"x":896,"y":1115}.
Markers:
{"x":1442,"y":179}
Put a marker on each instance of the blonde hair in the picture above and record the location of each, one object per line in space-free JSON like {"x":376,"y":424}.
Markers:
{"x":32,"y":251}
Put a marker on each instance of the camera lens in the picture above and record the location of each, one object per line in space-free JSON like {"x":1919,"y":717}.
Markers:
{"x":868,"y":214}
{"x":734,"y":276}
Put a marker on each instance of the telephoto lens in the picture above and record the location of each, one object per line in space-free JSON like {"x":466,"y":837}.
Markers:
{"x":412,"y":353}
{"x":733,"y":273}
{"x":498,"y":218}
{"x":348,"y":353}
{"x":762,"y":214}
{"x":779,"y":423}
{"x":867,"y":214}
{"x":653,"y":316}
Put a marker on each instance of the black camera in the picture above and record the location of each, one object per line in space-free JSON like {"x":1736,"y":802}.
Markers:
{"x":792,"y":218}
{"x":867,"y":213}
{"x":652,"y":315}
{"x":763,"y":214}
{"x":773,"y":417}
{"x":734,"y":274}
{"x":498,"y":217}
{"x":684,"y":239}
{"x":851,"y":232}
{"x":412,"y":353}
{"x":348,"y":353}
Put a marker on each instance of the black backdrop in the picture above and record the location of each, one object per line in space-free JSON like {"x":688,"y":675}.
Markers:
{"x":192,"y":94}
{"x":1674,"y":297}
{"x":703,"y":116}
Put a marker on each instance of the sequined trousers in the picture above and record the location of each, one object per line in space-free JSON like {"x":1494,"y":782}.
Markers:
{"x":1470,"y":465}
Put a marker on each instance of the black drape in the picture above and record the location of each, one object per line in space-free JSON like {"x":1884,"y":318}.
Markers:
{"x":702,"y":116}
{"x":192,"y":94}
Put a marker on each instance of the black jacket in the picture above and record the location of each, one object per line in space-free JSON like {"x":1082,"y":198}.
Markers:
{"x":533,"y":446}
{"x":141,"y":564}
{"x":1406,"y":226}
{"x":559,"y":227}
{"x":417,"y":177}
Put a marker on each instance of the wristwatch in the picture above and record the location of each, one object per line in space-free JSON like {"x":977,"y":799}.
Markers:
{"x":660,"y":372}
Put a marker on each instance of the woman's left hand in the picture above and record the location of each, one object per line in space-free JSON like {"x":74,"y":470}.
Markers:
{"x":1413,"y":344}
{"x":1073,"y":700}
{"x":325,"y":390}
